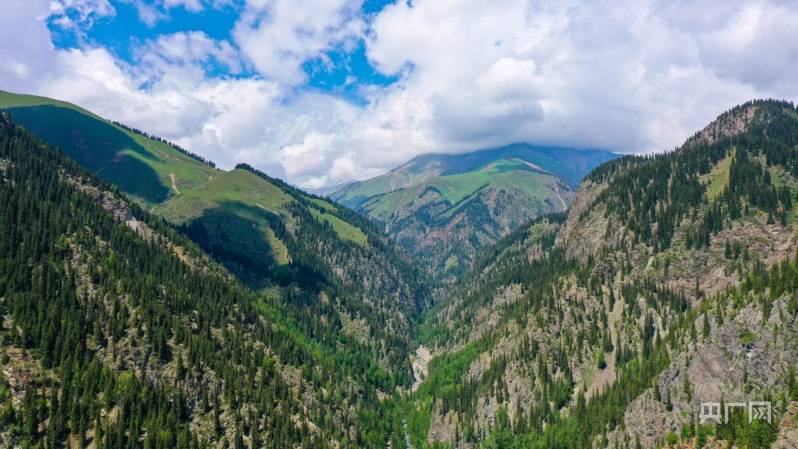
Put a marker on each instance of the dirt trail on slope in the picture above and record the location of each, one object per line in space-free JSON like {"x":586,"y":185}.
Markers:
{"x":174,"y":182}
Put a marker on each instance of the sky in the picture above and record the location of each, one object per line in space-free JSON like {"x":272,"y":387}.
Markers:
{"x":320,"y":92}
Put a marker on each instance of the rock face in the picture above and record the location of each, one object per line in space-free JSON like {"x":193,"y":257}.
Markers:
{"x":788,"y":429}
{"x":420,"y":366}
{"x":728,"y":124}
{"x":744,"y":359}
{"x":585,"y":230}
{"x":652,"y":258}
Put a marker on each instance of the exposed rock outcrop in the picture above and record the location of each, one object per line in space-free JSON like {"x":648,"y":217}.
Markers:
{"x":788,"y":429}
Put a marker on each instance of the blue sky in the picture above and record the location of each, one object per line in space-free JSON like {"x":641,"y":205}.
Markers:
{"x":342,"y":70}
{"x":320,"y":92}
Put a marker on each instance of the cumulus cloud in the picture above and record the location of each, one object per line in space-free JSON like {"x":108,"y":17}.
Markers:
{"x":631,"y":76}
{"x":188,"y":48}
{"x":78,"y":14}
{"x":278,"y":36}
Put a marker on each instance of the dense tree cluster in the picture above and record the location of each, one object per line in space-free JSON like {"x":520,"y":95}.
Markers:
{"x":137,"y":346}
{"x":654,"y":195}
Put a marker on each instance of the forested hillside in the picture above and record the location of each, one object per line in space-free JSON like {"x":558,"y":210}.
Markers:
{"x":191,"y":307}
{"x":673,"y":281}
{"x":332,"y":271}
{"x":118,"y":331}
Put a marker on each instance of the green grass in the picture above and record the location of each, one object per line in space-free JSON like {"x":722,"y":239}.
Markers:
{"x":388,"y":182}
{"x":322,"y":203}
{"x":451,"y":262}
{"x":503,"y":174}
{"x":747,"y":337}
{"x":235,"y":186}
{"x":140,"y":166}
{"x":565,"y":163}
{"x":718,"y":178}
{"x":12,"y":100}
{"x":343,"y":229}
{"x":279,"y":250}
{"x":240,"y":205}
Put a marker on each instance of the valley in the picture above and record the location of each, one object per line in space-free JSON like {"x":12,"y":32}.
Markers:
{"x":516,"y":297}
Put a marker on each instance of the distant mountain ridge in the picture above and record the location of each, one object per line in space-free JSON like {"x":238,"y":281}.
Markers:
{"x":444,"y":207}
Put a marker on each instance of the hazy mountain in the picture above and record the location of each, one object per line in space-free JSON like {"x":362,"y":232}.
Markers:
{"x":444,"y":207}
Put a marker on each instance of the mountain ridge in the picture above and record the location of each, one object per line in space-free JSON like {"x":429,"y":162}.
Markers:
{"x":671,"y":280}
{"x":264,"y":231}
{"x":444,"y":207}
{"x":670,"y":276}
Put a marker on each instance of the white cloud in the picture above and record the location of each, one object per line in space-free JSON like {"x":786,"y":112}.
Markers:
{"x":153,"y":11}
{"x":78,"y":14}
{"x":188,"y":48}
{"x":20,"y":56}
{"x":278,"y":36}
{"x":633,"y":76}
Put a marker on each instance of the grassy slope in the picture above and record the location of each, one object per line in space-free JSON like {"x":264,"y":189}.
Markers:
{"x":46,"y":114}
{"x":718,"y":178}
{"x":343,"y":229}
{"x":175,"y":185}
{"x":567,"y":164}
{"x":503,"y":174}
{"x":235,"y":186}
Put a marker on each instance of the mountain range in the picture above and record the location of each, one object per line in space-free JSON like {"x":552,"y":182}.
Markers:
{"x":443,"y":208}
{"x":151,"y":300}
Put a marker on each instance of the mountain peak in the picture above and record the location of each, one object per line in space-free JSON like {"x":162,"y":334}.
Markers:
{"x":444,"y":207}
{"x":738,"y":120}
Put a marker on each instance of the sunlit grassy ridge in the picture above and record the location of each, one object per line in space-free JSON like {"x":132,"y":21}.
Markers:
{"x":343,"y":229}
{"x":234,"y":186}
{"x":502,"y":174}
{"x":566,"y":163}
{"x":148,"y":169}
{"x":238,"y":211}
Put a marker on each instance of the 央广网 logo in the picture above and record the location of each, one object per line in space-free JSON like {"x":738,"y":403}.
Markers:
{"x":757,"y":410}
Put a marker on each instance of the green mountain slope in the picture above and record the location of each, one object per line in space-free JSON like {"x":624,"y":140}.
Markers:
{"x":117,"y":331}
{"x":321,"y":259}
{"x":672,"y":281}
{"x":148,"y":169}
{"x":443,"y":208}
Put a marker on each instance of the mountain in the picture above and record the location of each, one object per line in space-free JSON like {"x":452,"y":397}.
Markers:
{"x":117,"y":331}
{"x":335,"y":273}
{"x":672,"y":281}
{"x":234,"y":310}
{"x":444,"y":207}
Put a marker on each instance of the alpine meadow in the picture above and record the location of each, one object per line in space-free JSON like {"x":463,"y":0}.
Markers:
{"x":379,"y":224}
